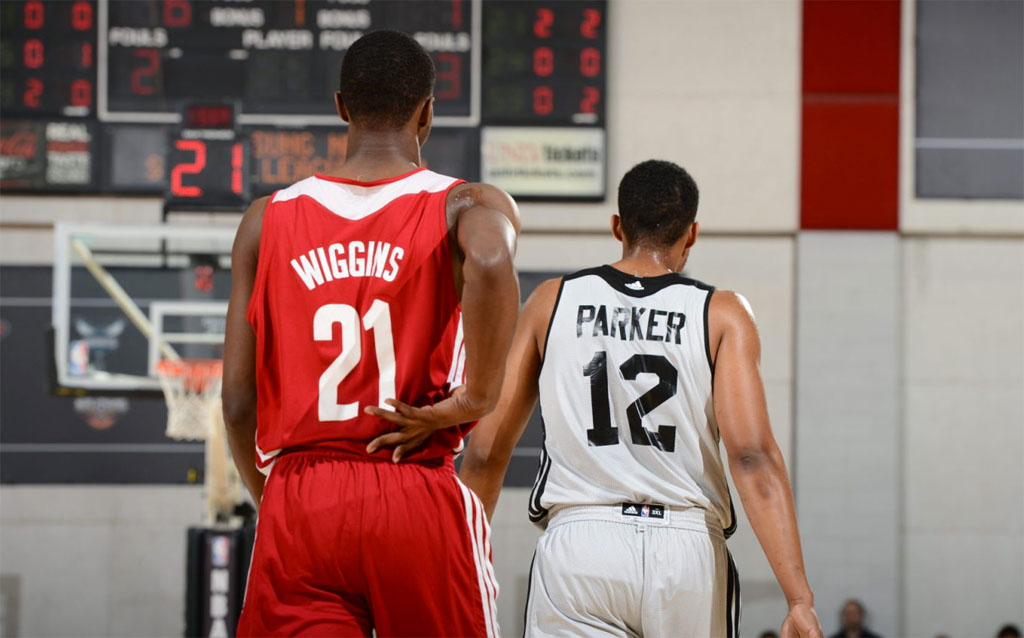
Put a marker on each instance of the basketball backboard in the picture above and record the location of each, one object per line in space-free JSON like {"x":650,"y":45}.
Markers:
{"x":126,"y":296}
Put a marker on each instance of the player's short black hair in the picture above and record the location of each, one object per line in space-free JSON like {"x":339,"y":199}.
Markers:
{"x":1008,"y":631}
{"x":657,"y":203}
{"x":384,"y":75}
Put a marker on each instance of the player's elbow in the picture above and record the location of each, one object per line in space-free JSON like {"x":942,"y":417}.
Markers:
{"x":474,"y":459}
{"x":489,"y":263}
{"x":754,"y":458}
{"x":484,"y":455}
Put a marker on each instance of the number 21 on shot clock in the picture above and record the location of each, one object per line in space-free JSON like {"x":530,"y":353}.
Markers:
{"x":207,"y":160}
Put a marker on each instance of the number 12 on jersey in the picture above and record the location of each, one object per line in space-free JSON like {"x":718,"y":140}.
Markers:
{"x":603,"y":433}
{"x":378,"y":320}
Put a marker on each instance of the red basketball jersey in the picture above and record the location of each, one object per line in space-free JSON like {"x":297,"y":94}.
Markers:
{"x":354,"y":302}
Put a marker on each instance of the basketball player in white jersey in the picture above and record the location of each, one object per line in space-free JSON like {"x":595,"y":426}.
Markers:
{"x":640,"y":372}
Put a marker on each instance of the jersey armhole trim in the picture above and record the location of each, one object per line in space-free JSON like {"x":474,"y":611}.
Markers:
{"x":707,"y":332}
{"x":551,"y":322}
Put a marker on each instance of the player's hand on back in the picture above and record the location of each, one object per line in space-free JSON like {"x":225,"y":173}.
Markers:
{"x":415,"y":425}
{"x":801,"y":622}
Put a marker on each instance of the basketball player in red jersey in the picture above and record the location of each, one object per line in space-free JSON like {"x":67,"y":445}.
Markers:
{"x":357,"y":295}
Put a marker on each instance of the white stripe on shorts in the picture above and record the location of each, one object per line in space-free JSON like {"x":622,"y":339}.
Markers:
{"x":476,"y":522}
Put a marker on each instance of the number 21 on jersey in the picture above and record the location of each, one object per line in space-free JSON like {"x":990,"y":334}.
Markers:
{"x":377,"y":320}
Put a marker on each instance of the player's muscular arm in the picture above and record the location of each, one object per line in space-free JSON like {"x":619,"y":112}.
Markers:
{"x":238,"y":393}
{"x":485,"y":223}
{"x":757,"y":466}
{"x":490,"y":447}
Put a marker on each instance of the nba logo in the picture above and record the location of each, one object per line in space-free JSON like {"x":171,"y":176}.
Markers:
{"x":645,"y":511}
{"x":78,"y":358}
{"x":219,"y":551}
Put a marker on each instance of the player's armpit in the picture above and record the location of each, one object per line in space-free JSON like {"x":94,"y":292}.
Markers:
{"x":238,"y":392}
{"x":491,"y":444}
{"x":755,"y":462}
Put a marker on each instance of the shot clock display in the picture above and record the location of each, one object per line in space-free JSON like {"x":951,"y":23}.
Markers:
{"x":511,"y":75}
{"x":206,"y":160}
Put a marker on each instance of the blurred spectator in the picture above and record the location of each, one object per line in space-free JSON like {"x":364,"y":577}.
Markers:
{"x":851,"y":621}
{"x":768,"y":633}
{"x":1009,"y":631}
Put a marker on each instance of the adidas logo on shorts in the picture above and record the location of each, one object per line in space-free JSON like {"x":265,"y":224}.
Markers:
{"x":642,"y":510}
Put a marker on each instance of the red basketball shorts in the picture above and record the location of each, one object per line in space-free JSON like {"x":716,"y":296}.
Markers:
{"x":346,"y":545}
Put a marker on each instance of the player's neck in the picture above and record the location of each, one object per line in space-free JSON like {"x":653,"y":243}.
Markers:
{"x":648,"y":263}
{"x":374,"y":155}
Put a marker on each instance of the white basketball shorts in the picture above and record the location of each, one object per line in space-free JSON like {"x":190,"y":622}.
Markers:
{"x":633,"y":570}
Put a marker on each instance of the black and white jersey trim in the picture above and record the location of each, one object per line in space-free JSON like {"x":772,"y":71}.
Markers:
{"x":621,"y":281}
{"x":707,"y":333}
{"x":551,"y":320}
{"x":731,"y":529}
{"x":537,"y":512}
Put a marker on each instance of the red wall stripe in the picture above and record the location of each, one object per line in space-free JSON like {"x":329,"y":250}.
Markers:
{"x":850,"y":115}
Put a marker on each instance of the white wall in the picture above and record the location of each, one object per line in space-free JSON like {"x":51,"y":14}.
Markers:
{"x":963,"y":521}
{"x":848,"y":421}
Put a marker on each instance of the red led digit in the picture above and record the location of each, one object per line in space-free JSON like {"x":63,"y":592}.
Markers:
{"x":86,"y":60}
{"x":236,"y":169}
{"x":449,"y":78}
{"x":151,"y":59}
{"x":456,"y":14}
{"x":81,"y":93}
{"x":81,"y":16}
{"x":33,"y":91}
{"x":34,"y":15}
{"x":590,"y":62}
{"x":591,"y":98}
{"x":543,"y":100}
{"x":543,"y":61}
{"x":591,"y":20}
{"x":177,"y":13}
{"x":33,"y":53}
{"x":190,"y":168}
{"x":542,"y":25}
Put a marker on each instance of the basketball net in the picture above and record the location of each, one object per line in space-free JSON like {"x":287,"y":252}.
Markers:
{"x":192,"y":390}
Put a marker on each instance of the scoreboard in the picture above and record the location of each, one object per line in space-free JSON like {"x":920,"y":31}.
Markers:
{"x":102,"y":96}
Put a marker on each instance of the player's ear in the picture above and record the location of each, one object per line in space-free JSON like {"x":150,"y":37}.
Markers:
{"x":616,"y":224}
{"x":340,"y":105}
{"x":691,"y":235}
{"x":424,"y":119}
{"x":426,"y":112}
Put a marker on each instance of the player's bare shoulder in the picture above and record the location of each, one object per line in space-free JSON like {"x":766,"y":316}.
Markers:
{"x":729,"y":314}
{"x":538,"y":309}
{"x":471,"y":195}
{"x":248,"y":236}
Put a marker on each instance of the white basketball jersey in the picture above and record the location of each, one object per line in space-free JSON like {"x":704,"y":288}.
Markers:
{"x":625,"y":395}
